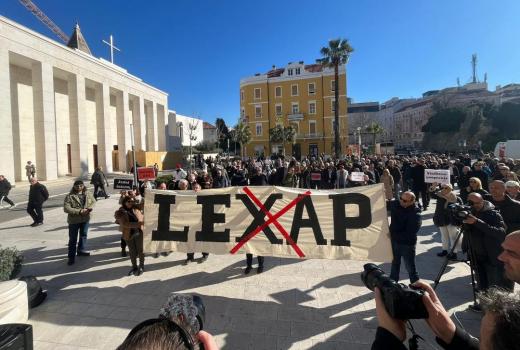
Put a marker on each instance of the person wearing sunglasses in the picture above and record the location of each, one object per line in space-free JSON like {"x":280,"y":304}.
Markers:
{"x":78,"y":204}
{"x":405,"y":223}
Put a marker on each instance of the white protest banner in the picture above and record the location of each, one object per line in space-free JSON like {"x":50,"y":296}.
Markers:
{"x":270,"y":221}
{"x":440,"y":176}
{"x":357,"y":176}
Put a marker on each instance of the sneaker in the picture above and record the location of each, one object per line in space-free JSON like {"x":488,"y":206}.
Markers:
{"x":247,"y":270}
{"x":83,"y":253}
{"x":39,"y":223}
{"x":34,"y":224}
{"x":140,"y":271}
{"x":260,"y":269}
{"x":12,"y":206}
{"x":133,"y":271}
{"x":443,"y":253}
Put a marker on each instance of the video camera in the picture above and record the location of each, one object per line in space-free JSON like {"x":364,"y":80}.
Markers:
{"x":401,"y":301}
{"x":459,"y":211}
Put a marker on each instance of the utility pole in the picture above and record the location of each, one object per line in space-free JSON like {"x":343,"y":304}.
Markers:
{"x":133,"y":153}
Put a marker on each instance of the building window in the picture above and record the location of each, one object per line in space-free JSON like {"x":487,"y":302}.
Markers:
{"x":332,"y":85}
{"x":278,"y":91}
{"x":312,"y":107}
{"x":295,"y":108}
{"x":289,"y":72}
{"x":258,"y":111}
{"x":333,"y":105}
{"x":241,"y":95}
{"x":297,"y":71}
{"x":312,"y":88}
{"x":278,"y":109}
{"x":258,"y":94}
{"x":259,"y":129}
{"x":312,"y":127}
{"x":181,"y":131}
{"x":294,"y":90}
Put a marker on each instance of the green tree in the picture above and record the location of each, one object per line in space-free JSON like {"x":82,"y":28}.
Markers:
{"x":374,"y":129}
{"x":334,"y":55}
{"x":242,"y":135}
{"x":222,"y":134}
{"x":283,"y":135}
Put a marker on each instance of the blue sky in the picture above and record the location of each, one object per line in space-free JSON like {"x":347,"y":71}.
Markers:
{"x":197,"y":51}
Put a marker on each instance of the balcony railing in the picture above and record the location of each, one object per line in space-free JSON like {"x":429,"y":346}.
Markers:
{"x":309,"y":136}
{"x":295,"y":116}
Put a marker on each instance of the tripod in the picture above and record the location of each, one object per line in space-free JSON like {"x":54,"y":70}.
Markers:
{"x":470,"y":261}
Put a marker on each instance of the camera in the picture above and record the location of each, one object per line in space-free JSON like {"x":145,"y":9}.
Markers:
{"x":459,"y":211}
{"x":401,"y":301}
{"x":190,"y":307}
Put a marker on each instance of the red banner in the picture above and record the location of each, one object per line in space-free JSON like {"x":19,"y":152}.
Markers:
{"x":147,"y":173}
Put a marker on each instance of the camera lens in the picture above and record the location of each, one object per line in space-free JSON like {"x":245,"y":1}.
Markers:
{"x":370,"y":275}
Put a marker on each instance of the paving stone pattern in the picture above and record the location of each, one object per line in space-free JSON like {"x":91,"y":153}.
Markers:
{"x":294,"y":304}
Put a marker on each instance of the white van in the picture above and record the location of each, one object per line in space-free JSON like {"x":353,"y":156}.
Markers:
{"x":508,"y":149}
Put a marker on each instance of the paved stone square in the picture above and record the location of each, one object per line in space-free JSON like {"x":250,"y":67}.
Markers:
{"x":294,"y":304}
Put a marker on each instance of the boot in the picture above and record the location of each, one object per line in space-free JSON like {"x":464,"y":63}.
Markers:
{"x":140,"y":271}
{"x":248,"y":269}
{"x":123,"y":252}
{"x":133,"y":271}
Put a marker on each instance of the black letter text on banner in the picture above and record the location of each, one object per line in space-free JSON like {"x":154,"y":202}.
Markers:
{"x":342,"y":222}
{"x":209,"y":217}
{"x":312,"y":221}
{"x":259,"y":216}
{"x":163,"y":232}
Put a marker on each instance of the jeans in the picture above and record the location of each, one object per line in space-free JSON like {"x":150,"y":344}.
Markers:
{"x":249,"y":260}
{"x":36,"y":212}
{"x":407,"y":252}
{"x":425,"y":197}
{"x":82,"y":228}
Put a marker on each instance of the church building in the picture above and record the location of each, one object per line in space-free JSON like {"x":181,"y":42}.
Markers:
{"x":68,"y":111}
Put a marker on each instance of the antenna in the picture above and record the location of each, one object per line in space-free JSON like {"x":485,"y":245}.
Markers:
{"x":474,"y":67}
{"x":44,"y":19}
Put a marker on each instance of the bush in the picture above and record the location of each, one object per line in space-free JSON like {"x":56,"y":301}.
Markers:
{"x":10,"y":263}
{"x":164,"y":178}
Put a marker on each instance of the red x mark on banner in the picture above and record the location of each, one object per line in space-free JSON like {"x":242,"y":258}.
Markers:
{"x":273,"y":219}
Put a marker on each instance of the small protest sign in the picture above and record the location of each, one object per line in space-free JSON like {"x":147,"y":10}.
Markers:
{"x":146,"y":173}
{"x":357,"y":176}
{"x":123,"y":184}
{"x":441,"y":176}
{"x":316,"y":176}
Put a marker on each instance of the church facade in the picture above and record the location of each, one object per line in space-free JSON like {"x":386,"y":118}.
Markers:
{"x":69,"y":112}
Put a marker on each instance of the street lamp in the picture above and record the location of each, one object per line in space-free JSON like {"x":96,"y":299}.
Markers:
{"x":133,"y":153}
{"x":359,"y":141}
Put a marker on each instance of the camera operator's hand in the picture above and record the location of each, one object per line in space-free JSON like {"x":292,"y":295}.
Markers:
{"x":470,"y":220}
{"x":438,"y":319}
{"x":207,"y":340}
{"x":394,"y":326}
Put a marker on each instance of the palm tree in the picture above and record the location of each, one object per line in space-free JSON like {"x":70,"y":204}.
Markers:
{"x":281,"y":134}
{"x":374,"y":129}
{"x":334,"y":55}
{"x":242,"y":134}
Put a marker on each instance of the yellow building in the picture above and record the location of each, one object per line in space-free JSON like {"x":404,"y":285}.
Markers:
{"x":299,"y":95}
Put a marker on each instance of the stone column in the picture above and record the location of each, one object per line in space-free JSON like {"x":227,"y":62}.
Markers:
{"x":104,"y":129}
{"x":161,"y":128}
{"x":44,"y":121}
{"x":141,"y":130}
{"x":154,"y":137}
{"x":123,"y":129}
{"x":78,"y":124}
{"x":6,"y":131}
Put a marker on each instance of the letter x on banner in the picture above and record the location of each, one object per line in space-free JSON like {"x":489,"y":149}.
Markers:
{"x":273,"y":219}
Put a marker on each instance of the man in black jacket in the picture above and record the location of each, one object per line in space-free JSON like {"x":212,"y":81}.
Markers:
{"x":37,"y":195}
{"x":487,"y":231}
{"x":99,"y":180}
{"x":508,"y":208}
{"x":418,"y":184}
{"x":406,"y":222}
{"x":5,"y":187}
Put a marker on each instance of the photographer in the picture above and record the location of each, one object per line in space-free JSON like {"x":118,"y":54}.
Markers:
{"x":442,"y":218}
{"x":486,"y":230}
{"x":500,"y":327}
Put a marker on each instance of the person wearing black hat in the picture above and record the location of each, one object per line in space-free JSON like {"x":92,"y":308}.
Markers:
{"x":78,"y":205}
